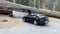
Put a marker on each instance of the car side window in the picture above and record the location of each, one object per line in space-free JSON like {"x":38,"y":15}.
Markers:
{"x":28,"y":15}
{"x":31,"y":15}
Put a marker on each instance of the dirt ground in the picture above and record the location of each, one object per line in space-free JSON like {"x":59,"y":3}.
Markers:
{"x":11,"y":22}
{"x":56,"y":20}
{"x":14,"y":22}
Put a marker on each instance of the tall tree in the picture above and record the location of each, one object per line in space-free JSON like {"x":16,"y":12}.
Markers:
{"x":57,"y":5}
{"x":19,"y":1}
{"x":10,"y":0}
{"x":31,"y":3}
{"x":13,"y":1}
{"x":41,"y":4}
{"x":26,"y":2}
{"x":34,"y":3}
{"x":49,"y":4}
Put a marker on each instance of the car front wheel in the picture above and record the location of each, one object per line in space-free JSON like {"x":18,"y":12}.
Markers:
{"x":35,"y":22}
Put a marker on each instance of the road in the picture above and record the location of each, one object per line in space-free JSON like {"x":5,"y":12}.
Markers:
{"x":51,"y":28}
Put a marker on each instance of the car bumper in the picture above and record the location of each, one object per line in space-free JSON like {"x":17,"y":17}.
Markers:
{"x":43,"y":22}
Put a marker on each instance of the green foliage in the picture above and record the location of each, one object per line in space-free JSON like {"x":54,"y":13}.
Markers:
{"x":57,"y":6}
{"x":10,"y":0}
{"x":26,"y":2}
{"x":31,"y":3}
{"x":18,"y":1}
{"x":41,"y":3}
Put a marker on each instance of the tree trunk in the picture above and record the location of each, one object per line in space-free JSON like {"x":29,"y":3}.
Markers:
{"x":41,"y":4}
{"x":19,"y":6}
{"x":34,"y":3}
{"x":49,"y":4}
{"x":13,"y":1}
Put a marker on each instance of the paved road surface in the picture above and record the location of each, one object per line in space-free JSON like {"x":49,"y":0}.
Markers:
{"x":51,"y":28}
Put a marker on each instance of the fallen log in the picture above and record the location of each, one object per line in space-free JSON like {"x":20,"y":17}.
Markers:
{"x":50,"y":13}
{"x":19,"y":6}
{"x":5,"y":11}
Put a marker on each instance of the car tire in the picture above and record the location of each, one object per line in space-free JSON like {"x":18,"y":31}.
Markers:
{"x":35,"y":22}
{"x":46,"y":22}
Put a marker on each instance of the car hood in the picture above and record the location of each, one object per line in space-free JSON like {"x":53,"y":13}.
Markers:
{"x":43,"y":17}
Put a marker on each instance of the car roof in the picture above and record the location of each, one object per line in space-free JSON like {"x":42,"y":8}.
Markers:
{"x":36,"y":14}
{"x":32,"y":14}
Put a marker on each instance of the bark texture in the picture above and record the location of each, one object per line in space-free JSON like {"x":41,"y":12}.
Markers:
{"x":19,"y":6}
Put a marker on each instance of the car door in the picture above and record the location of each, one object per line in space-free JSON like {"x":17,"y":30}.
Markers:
{"x":31,"y":19}
{"x":27,"y":18}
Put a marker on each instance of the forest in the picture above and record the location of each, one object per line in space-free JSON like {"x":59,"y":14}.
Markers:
{"x":40,"y":4}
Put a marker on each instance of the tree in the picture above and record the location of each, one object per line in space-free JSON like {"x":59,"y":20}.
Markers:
{"x":31,"y":3}
{"x":49,"y":4}
{"x":57,"y":5}
{"x":41,"y":4}
{"x":10,"y":0}
{"x":37,"y":3}
{"x":7,"y":4}
{"x":26,"y":2}
{"x":34,"y":3}
{"x":19,"y":1}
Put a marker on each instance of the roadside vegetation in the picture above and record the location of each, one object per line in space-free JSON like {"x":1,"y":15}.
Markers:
{"x":40,"y":4}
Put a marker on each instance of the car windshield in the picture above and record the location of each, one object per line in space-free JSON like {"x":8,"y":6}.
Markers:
{"x":33,"y":15}
{"x":39,"y":14}
{"x":36,"y":15}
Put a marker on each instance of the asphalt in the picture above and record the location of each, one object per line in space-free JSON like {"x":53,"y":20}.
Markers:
{"x":51,"y":28}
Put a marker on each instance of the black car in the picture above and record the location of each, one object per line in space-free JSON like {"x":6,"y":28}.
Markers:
{"x":37,"y":19}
